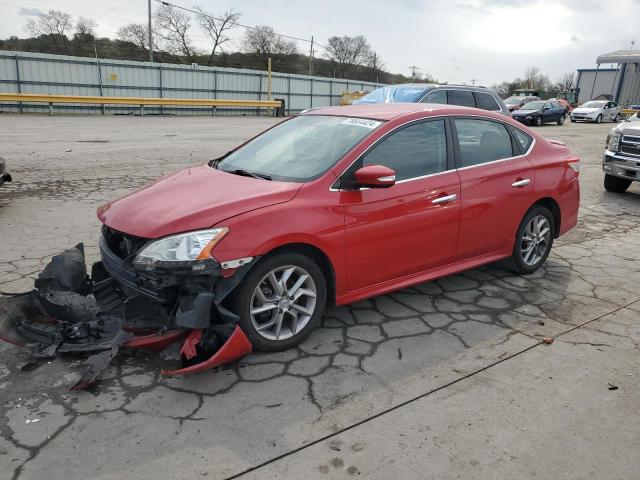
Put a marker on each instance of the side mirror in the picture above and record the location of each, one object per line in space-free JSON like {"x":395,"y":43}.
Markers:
{"x":547,"y":108}
{"x":375,"y":176}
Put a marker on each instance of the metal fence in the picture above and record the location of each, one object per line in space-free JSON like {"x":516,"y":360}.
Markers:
{"x":24,"y":72}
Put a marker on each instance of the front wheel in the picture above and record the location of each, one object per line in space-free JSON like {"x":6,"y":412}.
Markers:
{"x":616,"y":184}
{"x":280,"y":301}
{"x":598,"y":118}
{"x":538,"y":121}
{"x":533,"y":241}
{"x":561,"y":120}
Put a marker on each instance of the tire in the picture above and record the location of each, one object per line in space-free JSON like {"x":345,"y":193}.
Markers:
{"x":573,"y":121}
{"x":616,"y":184}
{"x":598,"y":118}
{"x":247,"y":298}
{"x":561,"y":120}
{"x":525,"y":260}
{"x":538,"y":121}
{"x":616,"y":119}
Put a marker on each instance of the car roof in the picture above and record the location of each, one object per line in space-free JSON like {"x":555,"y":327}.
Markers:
{"x":388,"y":111}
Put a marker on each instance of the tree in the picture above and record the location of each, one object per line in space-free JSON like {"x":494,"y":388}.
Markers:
{"x":85,"y":27}
{"x":348,"y":53}
{"x":216,"y":27}
{"x":264,"y":42}
{"x":54,"y":22}
{"x":172,"y":25}
{"x":136,"y":33}
{"x":563,"y":83}
{"x":535,"y":80}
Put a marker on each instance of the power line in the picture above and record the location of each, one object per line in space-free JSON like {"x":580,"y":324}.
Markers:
{"x":248,"y":27}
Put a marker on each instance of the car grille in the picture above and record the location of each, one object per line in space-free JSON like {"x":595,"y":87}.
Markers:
{"x":630,"y":145}
{"x":121,"y":244}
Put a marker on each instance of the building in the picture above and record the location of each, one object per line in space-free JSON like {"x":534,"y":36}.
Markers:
{"x":619,"y":82}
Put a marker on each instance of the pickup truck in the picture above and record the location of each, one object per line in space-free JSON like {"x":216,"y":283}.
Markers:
{"x":621,"y":161}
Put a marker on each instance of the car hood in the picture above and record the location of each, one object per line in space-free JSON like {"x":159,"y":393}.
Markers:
{"x":191,"y":199}
{"x":585,"y":110}
{"x":522,"y":113}
{"x":628,"y":128}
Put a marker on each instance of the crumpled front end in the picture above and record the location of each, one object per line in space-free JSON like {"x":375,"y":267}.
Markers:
{"x":125,"y":306}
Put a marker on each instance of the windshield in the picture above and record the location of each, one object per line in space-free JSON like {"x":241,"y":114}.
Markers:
{"x":300,"y":149}
{"x":394,"y":94}
{"x":532,"y":106}
{"x":513,"y":100}
{"x":592,"y":105}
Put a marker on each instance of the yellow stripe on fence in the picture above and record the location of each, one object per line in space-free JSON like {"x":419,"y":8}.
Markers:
{"x":188,"y":102}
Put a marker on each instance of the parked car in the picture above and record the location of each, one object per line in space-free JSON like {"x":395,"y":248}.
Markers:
{"x":515,"y":102}
{"x":540,"y":112}
{"x":621,"y":161}
{"x":463,"y":95}
{"x":596,"y":111}
{"x":568,"y":108}
{"x":338,"y":205}
{"x":4,"y":176}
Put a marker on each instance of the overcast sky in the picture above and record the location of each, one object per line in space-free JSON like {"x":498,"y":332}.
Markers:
{"x":453,"y":40}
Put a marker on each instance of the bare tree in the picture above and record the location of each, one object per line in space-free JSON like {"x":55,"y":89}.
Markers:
{"x":349,"y":53}
{"x":533,"y":79}
{"x":216,"y":26}
{"x":172,"y":25}
{"x":265,"y":42}
{"x":54,"y":22}
{"x":563,"y":83}
{"x":85,"y":26}
{"x":136,"y":33}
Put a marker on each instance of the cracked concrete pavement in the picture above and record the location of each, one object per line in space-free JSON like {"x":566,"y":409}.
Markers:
{"x":447,"y":379}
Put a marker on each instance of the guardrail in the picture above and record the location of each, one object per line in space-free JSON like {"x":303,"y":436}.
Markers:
{"x":139,"y":101}
{"x":628,"y":111}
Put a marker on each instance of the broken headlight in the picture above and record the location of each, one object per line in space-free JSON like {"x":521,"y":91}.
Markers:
{"x":181,"y":249}
{"x":613,"y":141}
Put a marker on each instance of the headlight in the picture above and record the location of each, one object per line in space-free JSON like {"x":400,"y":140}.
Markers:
{"x":184,"y":248}
{"x":613,"y":141}
{"x":529,"y":117}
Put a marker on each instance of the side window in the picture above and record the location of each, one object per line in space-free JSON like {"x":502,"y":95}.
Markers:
{"x":435,"y":96}
{"x":524,"y":139}
{"x":613,"y":105}
{"x":462,"y":98}
{"x":486,"y":102}
{"x":548,"y":105}
{"x":413,"y":151}
{"x":482,"y":141}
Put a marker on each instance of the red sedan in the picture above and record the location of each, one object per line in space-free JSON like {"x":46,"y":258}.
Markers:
{"x":337,"y":205}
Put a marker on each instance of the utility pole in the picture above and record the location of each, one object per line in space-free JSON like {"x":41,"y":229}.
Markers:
{"x":311,"y":57}
{"x":633,"y":42}
{"x":414,"y":71}
{"x":473,"y":81}
{"x":150,"y":34}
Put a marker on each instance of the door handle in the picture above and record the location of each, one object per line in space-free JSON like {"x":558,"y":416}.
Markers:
{"x":445,"y":199}
{"x":521,"y":183}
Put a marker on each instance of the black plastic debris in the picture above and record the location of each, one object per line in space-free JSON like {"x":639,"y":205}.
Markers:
{"x":66,"y":272}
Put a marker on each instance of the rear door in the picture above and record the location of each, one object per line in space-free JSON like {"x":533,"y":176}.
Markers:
{"x":496,"y":185}
{"x":413,"y":225}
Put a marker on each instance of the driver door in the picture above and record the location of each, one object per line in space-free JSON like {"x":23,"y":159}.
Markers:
{"x":411,"y":226}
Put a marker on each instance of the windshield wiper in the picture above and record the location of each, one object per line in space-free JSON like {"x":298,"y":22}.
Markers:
{"x":246,"y":173}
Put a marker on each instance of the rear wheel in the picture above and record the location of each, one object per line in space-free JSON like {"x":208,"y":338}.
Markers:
{"x":281,"y":301}
{"x":533,"y":241}
{"x":616,"y":119}
{"x":616,"y":184}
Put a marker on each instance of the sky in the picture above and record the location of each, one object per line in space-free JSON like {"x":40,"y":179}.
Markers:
{"x":455,"y":41}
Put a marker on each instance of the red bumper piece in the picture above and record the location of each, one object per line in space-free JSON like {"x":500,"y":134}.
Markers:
{"x":156,"y":342}
{"x":236,"y":346}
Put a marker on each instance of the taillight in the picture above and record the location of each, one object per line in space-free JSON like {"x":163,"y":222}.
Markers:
{"x":574,"y":164}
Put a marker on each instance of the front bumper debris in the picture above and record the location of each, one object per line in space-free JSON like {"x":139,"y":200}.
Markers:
{"x":119,"y":307}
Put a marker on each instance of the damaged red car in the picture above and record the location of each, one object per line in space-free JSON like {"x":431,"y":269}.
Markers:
{"x":333,"y":206}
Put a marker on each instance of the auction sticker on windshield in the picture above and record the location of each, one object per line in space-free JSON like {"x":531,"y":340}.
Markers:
{"x":361,"y":122}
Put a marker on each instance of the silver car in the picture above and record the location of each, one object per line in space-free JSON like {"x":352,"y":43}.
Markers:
{"x":621,"y":161}
{"x":596,"y":111}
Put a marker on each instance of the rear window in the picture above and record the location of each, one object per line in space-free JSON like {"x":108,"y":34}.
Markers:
{"x":486,"y":102}
{"x":523,"y":139}
{"x":462,"y":98}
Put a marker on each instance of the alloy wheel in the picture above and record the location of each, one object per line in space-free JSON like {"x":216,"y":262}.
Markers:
{"x":283,"y":302}
{"x":535,"y":240}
